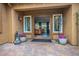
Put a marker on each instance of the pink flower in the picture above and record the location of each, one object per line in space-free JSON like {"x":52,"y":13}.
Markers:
{"x":61,"y":36}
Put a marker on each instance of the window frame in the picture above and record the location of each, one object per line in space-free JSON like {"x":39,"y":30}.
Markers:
{"x":30,"y":24}
{"x":61,"y":24}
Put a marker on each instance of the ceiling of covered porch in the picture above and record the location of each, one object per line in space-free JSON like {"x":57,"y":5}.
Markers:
{"x":38,"y":6}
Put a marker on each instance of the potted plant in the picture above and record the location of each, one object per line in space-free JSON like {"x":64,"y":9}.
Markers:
{"x":62,"y":39}
{"x":17,"y":38}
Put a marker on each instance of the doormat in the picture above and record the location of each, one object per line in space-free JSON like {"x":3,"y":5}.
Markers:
{"x":41,"y":40}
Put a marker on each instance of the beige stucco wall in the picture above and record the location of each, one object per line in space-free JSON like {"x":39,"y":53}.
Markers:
{"x":75,"y":9}
{"x":9,"y":17}
{"x":68,"y":23}
{"x":9,"y":24}
{"x":14,"y":24}
{"x":4,"y":35}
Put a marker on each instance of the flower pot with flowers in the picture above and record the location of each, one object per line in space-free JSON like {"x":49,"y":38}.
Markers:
{"x":62,"y":39}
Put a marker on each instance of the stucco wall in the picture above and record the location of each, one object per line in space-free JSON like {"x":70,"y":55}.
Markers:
{"x":9,"y":24}
{"x":75,"y":9}
{"x":0,"y":19}
{"x":68,"y":23}
{"x":14,"y":24}
{"x":4,"y":34}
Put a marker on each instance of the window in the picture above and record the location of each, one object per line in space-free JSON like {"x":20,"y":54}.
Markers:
{"x":27,"y":24}
{"x":57,"y":23}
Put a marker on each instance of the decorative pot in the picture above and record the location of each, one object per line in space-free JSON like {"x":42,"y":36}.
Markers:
{"x":62,"y":40}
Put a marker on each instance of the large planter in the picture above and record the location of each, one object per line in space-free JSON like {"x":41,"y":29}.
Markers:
{"x":17,"y":38}
{"x":23,"y":39}
{"x":62,"y":40}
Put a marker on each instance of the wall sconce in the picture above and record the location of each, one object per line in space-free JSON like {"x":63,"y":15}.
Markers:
{"x":20,"y":18}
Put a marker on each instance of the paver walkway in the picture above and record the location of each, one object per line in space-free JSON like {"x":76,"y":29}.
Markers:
{"x":38,"y":49}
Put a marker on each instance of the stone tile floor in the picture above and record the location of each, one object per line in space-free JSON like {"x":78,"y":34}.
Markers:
{"x":38,"y":49}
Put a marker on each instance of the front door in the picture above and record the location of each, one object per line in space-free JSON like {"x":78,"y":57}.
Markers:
{"x":42,"y":27}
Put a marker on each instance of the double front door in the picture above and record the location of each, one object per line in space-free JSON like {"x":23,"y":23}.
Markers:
{"x":42,"y":26}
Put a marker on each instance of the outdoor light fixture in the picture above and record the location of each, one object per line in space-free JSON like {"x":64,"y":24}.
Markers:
{"x":19,"y":18}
